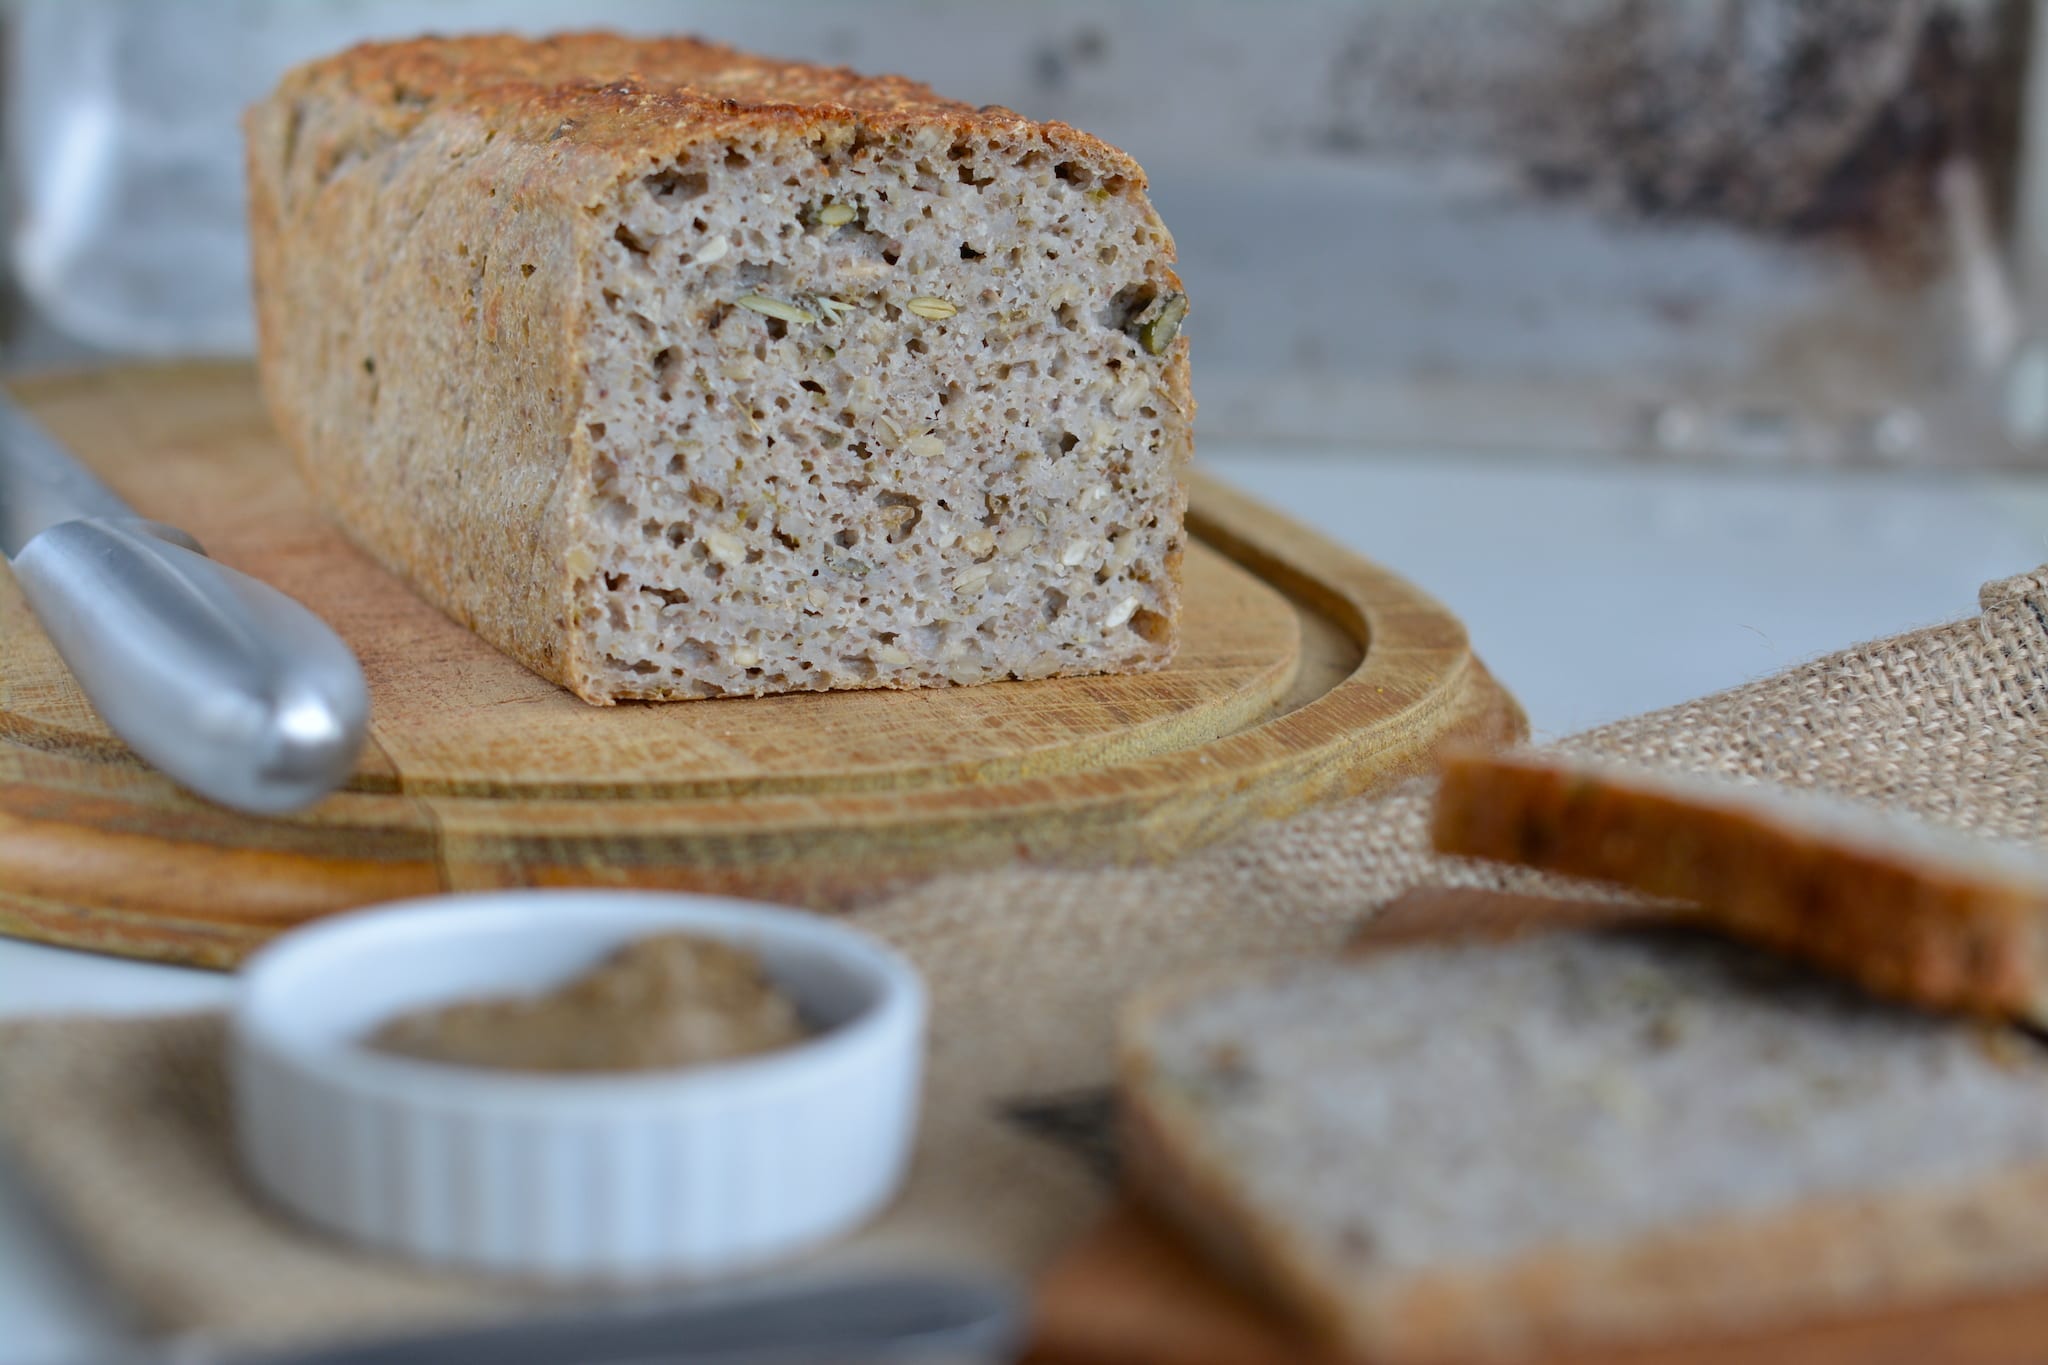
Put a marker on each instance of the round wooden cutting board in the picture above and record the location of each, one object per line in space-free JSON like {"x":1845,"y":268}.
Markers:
{"x":1306,"y":673}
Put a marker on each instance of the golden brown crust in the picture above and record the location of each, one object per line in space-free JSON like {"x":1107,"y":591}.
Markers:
{"x":419,"y":213}
{"x":622,"y":96}
{"x":1898,"y":925}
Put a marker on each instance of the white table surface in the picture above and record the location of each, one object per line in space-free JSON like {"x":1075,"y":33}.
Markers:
{"x":1594,"y":591}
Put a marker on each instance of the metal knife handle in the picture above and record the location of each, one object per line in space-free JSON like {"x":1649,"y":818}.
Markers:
{"x":41,"y":485}
{"x":226,"y":684}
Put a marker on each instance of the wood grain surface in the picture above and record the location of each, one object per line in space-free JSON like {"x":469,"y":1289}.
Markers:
{"x":1132,"y":1292}
{"x":1306,"y":673}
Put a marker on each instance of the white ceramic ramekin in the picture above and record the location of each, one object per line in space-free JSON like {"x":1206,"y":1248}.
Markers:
{"x":617,"y":1177}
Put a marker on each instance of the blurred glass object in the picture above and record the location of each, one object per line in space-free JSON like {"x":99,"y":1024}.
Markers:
{"x":1758,"y":230}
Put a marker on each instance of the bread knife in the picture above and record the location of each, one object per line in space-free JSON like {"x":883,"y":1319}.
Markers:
{"x":228,"y":686}
{"x":882,"y":1319}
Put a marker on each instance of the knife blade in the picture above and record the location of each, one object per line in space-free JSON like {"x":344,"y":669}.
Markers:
{"x":225,"y":684}
{"x":893,"y":1318}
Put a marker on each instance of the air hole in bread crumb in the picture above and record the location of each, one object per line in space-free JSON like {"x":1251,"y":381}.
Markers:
{"x":1074,"y":173}
{"x":735,"y":159}
{"x":677,"y":184}
{"x":596,"y":430}
{"x":681,"y":533}
{"x":968,"y":253}
{"x":623,"y":235}
{"x":847,"y":539}
{"x":812,"y":385}
{"x":527,"y":268}
{"x":1055,"y":603}
{"x":893,"y":254}
{"x":1151,"y":626}
{"x":900,"y":514}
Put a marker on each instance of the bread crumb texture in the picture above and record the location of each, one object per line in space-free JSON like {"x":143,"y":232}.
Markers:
{"x":1587,"y":1087}
{"x":677,"y":372}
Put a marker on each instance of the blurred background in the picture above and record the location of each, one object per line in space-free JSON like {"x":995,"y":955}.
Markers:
{"x":1754,"y":230}
{"x":1669,"y":342}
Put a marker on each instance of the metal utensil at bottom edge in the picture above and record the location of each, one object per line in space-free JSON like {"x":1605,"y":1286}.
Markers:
{"x":223,"y":683}
{"x":888,"y":1319}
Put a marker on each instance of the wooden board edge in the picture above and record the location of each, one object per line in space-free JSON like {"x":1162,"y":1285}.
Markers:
{"x":1417,"y":685}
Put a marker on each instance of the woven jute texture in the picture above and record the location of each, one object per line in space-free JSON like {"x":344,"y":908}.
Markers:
{"x":120,"y":1124}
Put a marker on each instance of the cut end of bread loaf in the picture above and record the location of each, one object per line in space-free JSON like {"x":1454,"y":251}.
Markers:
{"x":815,"y":381}
{"x":871,"y":412}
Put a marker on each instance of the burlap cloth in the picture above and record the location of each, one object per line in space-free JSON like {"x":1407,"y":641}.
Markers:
{"x":119,"y":1124}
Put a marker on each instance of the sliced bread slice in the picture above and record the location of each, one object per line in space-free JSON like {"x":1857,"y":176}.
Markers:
{"x":1489,"y":1151}
{"x":1906,"y":909}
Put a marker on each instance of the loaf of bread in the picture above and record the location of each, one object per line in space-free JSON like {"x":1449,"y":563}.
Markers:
{"x":1907,"y":909}
{"x":1494,"y":1150}
{"x":676,"y":372}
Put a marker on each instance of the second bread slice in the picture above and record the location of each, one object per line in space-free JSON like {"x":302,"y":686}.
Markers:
{"x":1485,"y":1150}
{"x":1906,"y":909}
